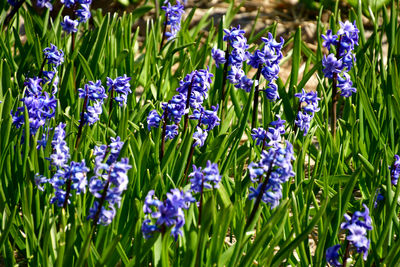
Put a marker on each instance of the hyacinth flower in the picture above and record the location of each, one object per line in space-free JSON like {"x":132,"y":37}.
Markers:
{"x":270,"y":137}
{"x":395,"y":170}
{"x":162,"y":215}
{"x":357,"y":226}
{"x":109,"y":182}
{"x":54,"y":58}
{"x":201,"y":179}
{"x":336,"y":67}
{"x":205,"y":118}
{"x":92,"y":93}
{"x":234,"y":56}
{"x":68,"y":177}
{"x":121,"y":87}
{"x":274,"y":169}
{"x":306,"y":113}
{"x":266,"y":61}
{"x":173,"y":17}
{"x":39,"y":105}
{"x":192,"y":92}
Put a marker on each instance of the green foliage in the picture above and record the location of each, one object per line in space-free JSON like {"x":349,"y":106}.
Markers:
{"x":334,"y":176}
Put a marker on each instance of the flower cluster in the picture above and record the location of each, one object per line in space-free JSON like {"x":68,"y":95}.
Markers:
{"x":275,"y":167}
{"x":268,"y":59}
{"x":204,"y":178}
{"x":395,"y":170}
{"x":304,"y":117}
{"x":160,"y":215}
{"x":345,"y":41}
{"x":121,"y":86}
{"x":67,"y":177}
{"x":92,"y":93}
{"x":173,"y":16}
{"x":235,"y":39}
{"x":272,"y":137}
{"x":54,"y":58}
{"x":109,"y":181}
{"x":357,"y":225}
{"x":208,"y":118}
{"x":39,"y":104}
{"x":83,"y":14}
{"x":196,"y":84}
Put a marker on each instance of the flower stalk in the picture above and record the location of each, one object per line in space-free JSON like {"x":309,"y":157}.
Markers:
{"x":255,"y":103}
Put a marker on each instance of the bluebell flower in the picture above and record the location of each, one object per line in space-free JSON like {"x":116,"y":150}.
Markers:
{"x":395,"y":170}
{"x":332,"y":256}
{"x":235,"y":75}
{"x":219,"y":56}
{"x":69,"y":26}
{"x":271,"y":91}
{"x":206,"y":178}
{"x":121,"y":86}
{"x":199,"y":137}
{"x":165,"y":214}
{"x":105,"y":216}
{"x":153,"y":119}
{"x":33,"y":86}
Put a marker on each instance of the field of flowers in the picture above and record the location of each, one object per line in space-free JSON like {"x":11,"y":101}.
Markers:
{"x":180,"y":144}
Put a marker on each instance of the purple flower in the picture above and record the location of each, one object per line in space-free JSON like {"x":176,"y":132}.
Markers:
{"x":304,"y":117}
{"x":76,"y":172}
{"x":332,"y":256}
{"x":277,"y":162}
{"x":168,"y":213}
{"x":68,"y":3}
{"x":329,"y":39}
{"x":206,"y":178}
{"x":173,"y":14}
{"x":395,"y":170}
{"x":346,"y":85}
{"x":331,"y":65}
{"x":121,"y":86}
{"x":60,"y":155}
{"x":69,"y":25}
{"x":218,"y":56}
{"x":83,"y":13}
{"x":176,"y":107}
{"x":94,"y":91}
{"x":44,"y":3}
{"x":109,"y":181}
{"x":171,"y":131}
{"x":259,"y":135}
{"x":54,"y":56}
{"x":199,"y":137}
{"x":13,"y":2}
{"x":358,"y":230}
{"x":153,"y":119}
